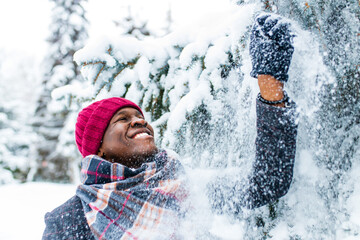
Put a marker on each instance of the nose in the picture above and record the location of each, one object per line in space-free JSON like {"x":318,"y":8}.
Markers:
{"x":138,"y":122}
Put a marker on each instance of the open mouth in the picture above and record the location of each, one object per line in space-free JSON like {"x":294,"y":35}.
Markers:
{"x":141,"y":135}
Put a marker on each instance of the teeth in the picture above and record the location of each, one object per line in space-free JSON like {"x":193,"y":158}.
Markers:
{"x":140,"y":135}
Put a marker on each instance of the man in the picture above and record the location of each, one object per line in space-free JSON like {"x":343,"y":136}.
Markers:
{"x":132,"y":190}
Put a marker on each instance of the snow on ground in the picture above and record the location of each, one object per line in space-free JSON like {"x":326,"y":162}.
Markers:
{"x":23,"y":207}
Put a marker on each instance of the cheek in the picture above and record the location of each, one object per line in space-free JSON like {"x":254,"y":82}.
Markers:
{"x":151,"y":129}
{"x":114,"y":138}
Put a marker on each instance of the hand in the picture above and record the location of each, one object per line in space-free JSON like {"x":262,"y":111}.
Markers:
{"x":271,"y":46}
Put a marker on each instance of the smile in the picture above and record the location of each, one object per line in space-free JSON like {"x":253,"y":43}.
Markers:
{"x":140,"y":135}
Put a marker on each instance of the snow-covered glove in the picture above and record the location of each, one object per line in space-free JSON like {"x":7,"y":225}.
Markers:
{"x":271,"y":46}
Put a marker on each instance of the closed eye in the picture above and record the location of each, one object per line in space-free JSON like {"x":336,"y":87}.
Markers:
{"x":121,"y":119}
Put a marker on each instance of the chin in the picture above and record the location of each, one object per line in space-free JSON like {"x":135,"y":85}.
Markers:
{"x":146,"y":151}
{"x":151,"y":152}
{"x":141,"y":157}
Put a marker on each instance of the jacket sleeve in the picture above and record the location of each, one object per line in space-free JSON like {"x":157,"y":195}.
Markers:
{"x":67,"y":222}
{"x":52,"y":228}
{"x":273,"y":165}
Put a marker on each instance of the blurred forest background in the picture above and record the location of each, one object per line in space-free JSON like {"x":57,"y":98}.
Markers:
{"x":190,"y":77}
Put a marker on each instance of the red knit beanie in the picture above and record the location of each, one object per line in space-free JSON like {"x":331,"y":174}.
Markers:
{"x":93,"y":120}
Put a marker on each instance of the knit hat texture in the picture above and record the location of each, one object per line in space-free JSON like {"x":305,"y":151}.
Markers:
{"x":93,"y":120}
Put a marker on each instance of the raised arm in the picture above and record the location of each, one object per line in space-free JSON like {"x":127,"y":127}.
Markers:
{"x":275,"y":154}
{"x":271,"y":50}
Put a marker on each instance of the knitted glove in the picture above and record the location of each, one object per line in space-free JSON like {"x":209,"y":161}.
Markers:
{"x":271,"y":46}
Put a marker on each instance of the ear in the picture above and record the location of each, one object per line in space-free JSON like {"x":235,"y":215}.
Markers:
{"x":101,"y":152}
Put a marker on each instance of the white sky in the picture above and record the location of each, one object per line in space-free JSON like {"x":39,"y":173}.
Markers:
{"x":24,"y":24}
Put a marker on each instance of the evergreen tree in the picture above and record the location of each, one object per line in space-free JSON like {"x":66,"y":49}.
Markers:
{"x":135,"y":25}
{"x":16,"y":105}
{"x":68,"y":32}
{"x":132,"y":26}
{"x":15,"y":141}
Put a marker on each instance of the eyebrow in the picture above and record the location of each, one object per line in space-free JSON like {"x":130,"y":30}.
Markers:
{"x":125,"y":112}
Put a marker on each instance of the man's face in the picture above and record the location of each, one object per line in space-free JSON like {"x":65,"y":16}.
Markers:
{"x":128,"y":139}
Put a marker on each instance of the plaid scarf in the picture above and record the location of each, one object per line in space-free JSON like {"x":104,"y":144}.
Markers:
{"x":124,"y":203}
